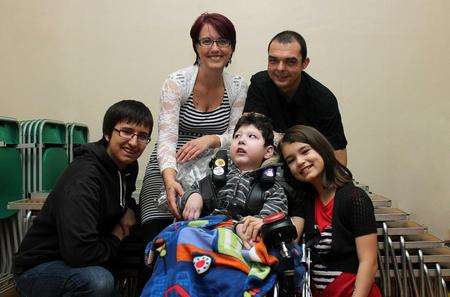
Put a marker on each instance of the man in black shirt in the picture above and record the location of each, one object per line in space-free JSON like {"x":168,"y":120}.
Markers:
{"x":290,"y":96}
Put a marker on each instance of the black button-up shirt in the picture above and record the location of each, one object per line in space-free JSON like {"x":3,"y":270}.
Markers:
{"x":313,"y":104}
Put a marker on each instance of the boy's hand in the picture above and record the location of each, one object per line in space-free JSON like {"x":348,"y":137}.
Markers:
{"x":193,"y":207}
{"x":123,"y":228}
{"x":245,"y":241}
{"x":119,"y":232}
{"x":251,"y":227}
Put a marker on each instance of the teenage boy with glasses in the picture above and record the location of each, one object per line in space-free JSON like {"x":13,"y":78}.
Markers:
{"x":72,"y":243}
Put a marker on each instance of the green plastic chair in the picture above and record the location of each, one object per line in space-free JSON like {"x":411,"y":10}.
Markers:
{"x":44,"y":153}
{"x":51,"y":153}
{"x":10,"y":165}
{"x":54,"y":161}
{"x":77,"y":134}
{"x":10,"y":179}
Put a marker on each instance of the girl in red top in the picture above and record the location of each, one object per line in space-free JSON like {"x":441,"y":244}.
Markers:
{"x":335,"y":212}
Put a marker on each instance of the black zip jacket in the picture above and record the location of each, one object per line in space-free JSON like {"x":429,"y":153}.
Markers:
{"x":353,"y":216}
{"x":77,"y":219}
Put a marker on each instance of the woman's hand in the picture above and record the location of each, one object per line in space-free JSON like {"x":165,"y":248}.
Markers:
{"x":174,"y":190}
{"x":191,"y":149}
{"x":193,"y":207}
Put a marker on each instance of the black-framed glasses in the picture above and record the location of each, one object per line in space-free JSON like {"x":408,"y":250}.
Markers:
{"x":128,"y":134}
{"x":221,"y":42}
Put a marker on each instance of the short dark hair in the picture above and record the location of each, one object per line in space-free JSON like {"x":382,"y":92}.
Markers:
{"x":220,"y":23}
{"x":130,"y":111}
{"x":261,"y":122}
{"x":335,"y":174}
{"x":288,"y":37}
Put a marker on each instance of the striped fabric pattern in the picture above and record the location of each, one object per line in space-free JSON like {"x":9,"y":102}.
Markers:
{"x":192,"y":124}
{"x":237,"y":189}
{"x":321,"y":275}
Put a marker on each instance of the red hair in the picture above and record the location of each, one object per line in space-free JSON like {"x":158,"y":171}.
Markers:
{"x":219,"y":22}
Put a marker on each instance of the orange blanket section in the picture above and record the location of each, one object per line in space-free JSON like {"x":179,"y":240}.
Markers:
{"x":262,"y":253}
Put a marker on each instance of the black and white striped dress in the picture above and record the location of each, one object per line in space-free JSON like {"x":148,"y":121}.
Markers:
{"x":192,"y":124}
{"x":321,"y":275}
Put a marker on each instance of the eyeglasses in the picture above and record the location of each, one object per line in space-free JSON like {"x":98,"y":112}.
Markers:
{"x":128,"y":134}
{"x":221,"y":42}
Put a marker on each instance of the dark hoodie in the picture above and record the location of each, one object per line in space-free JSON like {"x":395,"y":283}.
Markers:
{"x":77,"y":219}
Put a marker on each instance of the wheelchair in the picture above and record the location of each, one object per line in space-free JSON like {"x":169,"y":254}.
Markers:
{"x":293,"y":270}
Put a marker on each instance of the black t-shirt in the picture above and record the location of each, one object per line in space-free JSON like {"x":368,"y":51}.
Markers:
{"x":313,"y":105}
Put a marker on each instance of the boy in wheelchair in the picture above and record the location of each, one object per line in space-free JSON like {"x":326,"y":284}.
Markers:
{"x":245,"y":188}
{"x":246,"y":191}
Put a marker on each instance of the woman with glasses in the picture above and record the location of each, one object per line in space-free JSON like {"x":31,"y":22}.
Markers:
{"x":199,"y":107}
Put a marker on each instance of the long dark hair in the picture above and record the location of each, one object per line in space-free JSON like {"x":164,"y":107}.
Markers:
{"x":334,"y":175}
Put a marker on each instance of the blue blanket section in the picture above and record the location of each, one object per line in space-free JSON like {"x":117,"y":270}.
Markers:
{"x":171,"y":278}
{"x":182,"y":280}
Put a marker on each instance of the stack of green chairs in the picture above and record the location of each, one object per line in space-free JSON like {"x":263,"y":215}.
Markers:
{"x":10,"y":190}
{"x":33,"y":154}
{"x":76,"y":135}
{"x":44,"y":154}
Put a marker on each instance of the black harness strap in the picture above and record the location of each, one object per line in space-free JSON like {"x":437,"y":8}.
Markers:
{"x":208,"y":192}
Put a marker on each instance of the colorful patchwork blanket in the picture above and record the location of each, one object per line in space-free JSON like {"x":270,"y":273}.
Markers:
{"x":206,"y":258}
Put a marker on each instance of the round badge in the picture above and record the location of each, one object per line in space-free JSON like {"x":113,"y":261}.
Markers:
{"x":202,"y":263}
{"x":269,"y":172}
{"x":220,"y":162}
{"x":218,"y":170}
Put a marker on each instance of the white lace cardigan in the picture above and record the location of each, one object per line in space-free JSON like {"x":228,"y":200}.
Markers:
{"x":175,"y":91}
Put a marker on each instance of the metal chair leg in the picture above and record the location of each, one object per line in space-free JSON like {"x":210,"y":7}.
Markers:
{"x":2,"y":250}
{"x":14,"y":229}
{"x":411,"y":274}
{"x":396,"y":270}
{"x":387,"y":288}
{"x":438,"y":280}
{"x":444,"y":288}
{"x":404,"y":271}
{"x":9,"y":252}
{"x":427,"y":281}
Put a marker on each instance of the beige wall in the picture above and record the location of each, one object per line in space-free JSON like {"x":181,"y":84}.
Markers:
{"x":387,"y":62}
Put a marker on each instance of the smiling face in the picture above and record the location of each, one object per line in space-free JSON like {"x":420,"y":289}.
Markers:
{"x":125,"y":151}
{"x":305,"y":164}
{"x":285,"y":65}
{"x":248,"y":149}
{"x":212,"y":56}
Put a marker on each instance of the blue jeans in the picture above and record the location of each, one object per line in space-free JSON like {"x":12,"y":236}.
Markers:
{"x":55,"y":278}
